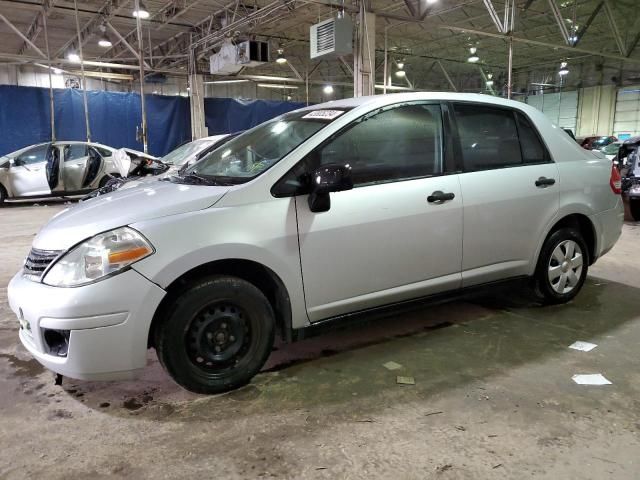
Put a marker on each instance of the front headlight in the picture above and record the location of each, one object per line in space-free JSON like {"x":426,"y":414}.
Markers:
{"x":105,"y":254}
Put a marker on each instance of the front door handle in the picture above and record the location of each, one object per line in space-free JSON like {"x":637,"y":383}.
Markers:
{"x":440,"y":197}
{"x":544,"y":182}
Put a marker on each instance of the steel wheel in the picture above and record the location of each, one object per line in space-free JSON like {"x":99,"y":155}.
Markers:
{"x":565,"y":267}
{"x":218,"y":337}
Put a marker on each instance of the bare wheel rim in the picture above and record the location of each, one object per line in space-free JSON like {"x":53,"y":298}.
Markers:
{"x":565,"y":267}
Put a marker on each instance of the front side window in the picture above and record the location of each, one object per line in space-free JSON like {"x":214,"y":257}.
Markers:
{"x":251,"y":153}
{"x":488,"y":137}
{"x":75,"y":151}
{"x":103,"y":152}
{"x":392,"y":144}
{"x":33,"y":155}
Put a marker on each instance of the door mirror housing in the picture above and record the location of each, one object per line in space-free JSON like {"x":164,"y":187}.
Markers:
{"x":5,"y":164}
{"x":326,"y":179}
{"x":16,"y":162}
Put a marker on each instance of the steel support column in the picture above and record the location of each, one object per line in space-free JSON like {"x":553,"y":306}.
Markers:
{"x":140,"y":56}
{"x":84,"y":80}
{"x":364,"y":54}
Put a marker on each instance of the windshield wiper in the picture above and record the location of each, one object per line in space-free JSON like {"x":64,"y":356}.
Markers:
{"x":195,"y":179}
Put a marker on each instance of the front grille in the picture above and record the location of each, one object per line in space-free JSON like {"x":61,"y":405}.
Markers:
{"x":37,"y":262}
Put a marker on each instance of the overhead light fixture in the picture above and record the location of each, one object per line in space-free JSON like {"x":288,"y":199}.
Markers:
{"x":401,"y":74}
{"x":73,"y":57}
{"x":473,"y":58}
{"x":563,"y":69}
{"x":141,"y":11}
{"x":103,"y":40}
{"x":288,"y":97}
{"x":489,"y":83}
{"x":281,"y":87}
{"x":400,"y":65}
{"x":56,"y":71}
{"x":223,"y":82}
{"x":328,"y":89}
{"x":431,"y":2}
{"x":281,"y":58}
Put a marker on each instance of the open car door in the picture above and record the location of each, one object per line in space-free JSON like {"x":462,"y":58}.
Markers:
{"x":53,"y":169}
{"x":92,"y":168}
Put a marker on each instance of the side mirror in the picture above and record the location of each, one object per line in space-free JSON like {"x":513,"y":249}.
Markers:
{"x":327,"y":179}
{"x":5,"y":164}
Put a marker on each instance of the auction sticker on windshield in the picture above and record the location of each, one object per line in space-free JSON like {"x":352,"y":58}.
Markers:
{"x":325,"y":114}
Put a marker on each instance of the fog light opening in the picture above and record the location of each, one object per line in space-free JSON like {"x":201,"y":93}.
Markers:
{"x":57,"y":342}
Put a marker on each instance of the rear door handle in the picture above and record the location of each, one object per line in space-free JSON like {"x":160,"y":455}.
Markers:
{"x":440,"y":197}
{"x":544,"y":182}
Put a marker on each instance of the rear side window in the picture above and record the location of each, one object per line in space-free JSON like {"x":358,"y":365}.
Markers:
{"x":75,"y":151}
{"x":533,"y":151}
{"x":488,"y":137}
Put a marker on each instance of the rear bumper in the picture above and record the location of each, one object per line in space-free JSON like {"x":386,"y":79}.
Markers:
{"x":108,"y":324}
{"x":608,"y":225}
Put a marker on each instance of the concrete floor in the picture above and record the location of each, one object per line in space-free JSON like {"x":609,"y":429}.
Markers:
{"x":493,"y":396}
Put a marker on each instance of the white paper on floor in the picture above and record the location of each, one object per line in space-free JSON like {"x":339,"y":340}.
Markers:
{"x":392,"y":365}
{"x":591,"y":379}
{"x":583,"y":346}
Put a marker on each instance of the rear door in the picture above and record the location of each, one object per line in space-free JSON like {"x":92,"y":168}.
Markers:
{"x":389,"y":239}
{"x":76,"y":158}
{"x":510,"y":187}
{"x":27,"y":174}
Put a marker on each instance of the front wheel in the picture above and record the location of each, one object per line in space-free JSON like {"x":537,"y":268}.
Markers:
{"x":562,"y":266}
{"x":634,"y":208}
{"x":216,"y":335}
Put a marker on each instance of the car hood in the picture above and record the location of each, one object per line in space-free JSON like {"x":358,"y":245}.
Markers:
{"x":124,"y":207}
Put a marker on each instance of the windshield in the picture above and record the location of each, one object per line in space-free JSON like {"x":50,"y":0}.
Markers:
{"x":253,"y":152}
{"x":184,"y":152}
{"x":611,"y":149}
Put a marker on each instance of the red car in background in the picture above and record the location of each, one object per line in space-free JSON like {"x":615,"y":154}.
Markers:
{"x":597,"y":142}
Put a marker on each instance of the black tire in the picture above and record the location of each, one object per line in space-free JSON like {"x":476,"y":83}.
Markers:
{"x":216,"y":335}
{"x":3,"y":194}
{"x":634,"y":208}
{"x":551,"y":292}
{"x":104,"y":180}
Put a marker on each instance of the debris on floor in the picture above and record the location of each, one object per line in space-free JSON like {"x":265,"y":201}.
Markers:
{"x":591,"y":379}
{"x":583,"y":346}
{"x":392,"y":366}
{"x":405,"y":380}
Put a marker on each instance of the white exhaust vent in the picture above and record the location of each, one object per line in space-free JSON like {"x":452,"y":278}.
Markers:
{"x":331,"y":38}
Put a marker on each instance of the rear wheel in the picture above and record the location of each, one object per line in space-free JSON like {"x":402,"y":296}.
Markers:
{"x":3,"y":194}
{"x":217,"y":335}
{"x":562,"y":266}
{"x":634,"y":208}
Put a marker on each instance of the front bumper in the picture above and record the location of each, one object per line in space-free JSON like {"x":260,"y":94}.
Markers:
{"x":108,"y":322}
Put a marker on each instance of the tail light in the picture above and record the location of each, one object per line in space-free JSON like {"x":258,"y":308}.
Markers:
{"x":616,"y":181}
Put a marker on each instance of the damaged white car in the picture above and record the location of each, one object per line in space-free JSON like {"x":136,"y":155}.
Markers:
{"x":59,"y":169}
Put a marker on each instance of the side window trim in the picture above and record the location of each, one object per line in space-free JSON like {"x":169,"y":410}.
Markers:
{"x":357,"y":121}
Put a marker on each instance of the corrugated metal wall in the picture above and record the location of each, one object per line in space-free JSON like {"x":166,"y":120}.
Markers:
{"x":561,"y":108}
{"x":627,"y":116}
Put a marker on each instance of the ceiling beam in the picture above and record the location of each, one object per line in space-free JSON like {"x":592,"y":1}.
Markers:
{"x":37,"y":25}
{"x":560,"y":21}
{"x":494,"y":15}
{"x":614,"y":28}
{"x":588,"y":23}
{"x":104,"y":14}
{"x":446,"y":75}
{"x":23,"y":36}
{"x":127,"y":44}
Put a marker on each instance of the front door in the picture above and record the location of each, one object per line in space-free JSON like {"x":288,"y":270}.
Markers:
{"x":389,"y":239}
{"x":510,"y":188}
{"x":76,"y":158}
{"x":27,"y":175}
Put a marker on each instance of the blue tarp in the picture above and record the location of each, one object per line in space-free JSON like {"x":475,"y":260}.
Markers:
{"x":227,"y":115}
{"x":113,"y":116}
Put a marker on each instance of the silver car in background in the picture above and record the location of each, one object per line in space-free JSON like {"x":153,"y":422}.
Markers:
{"x":322,"y":215}
{"x":58,"y":169}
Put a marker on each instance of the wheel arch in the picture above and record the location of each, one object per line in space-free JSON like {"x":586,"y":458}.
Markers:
{"x":264,"y":278}
{"x":584,"y":225}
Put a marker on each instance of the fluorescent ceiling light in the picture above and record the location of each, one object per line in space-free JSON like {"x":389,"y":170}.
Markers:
{"x":104,"y":42}
{"x":285,"y":87}
{"x":73,"y":56}
{"x":394,"y":87}
{"x":328,"y":89}
{"x":473,"y":59}
{"x":401,"y":73}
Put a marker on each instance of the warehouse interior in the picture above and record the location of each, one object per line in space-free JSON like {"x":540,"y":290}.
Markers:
{"x":481,"y":387}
